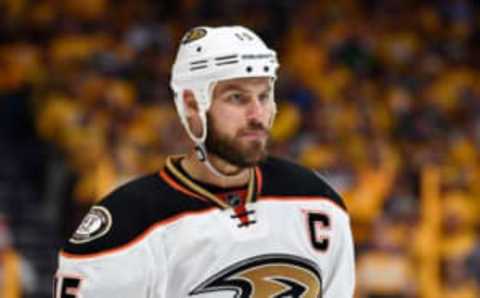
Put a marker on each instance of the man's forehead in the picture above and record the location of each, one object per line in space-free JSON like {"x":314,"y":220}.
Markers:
{"x":244,"y":83}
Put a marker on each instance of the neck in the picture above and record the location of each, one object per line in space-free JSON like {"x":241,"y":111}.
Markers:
{"x":199,"y":171}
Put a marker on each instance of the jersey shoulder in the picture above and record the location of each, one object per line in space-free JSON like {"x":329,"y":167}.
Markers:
{"x":127,"y":213}
{"x":283,"y":178}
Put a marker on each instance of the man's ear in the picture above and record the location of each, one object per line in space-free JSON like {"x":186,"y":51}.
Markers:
{"x":190,"y":104}
{"x":191,"y":111}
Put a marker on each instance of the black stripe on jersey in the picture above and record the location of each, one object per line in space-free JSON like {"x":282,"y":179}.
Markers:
{"x":135,"y":207}
{"x":282,"y":178}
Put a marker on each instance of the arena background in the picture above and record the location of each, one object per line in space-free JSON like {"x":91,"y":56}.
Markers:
{"x":381,"y":97}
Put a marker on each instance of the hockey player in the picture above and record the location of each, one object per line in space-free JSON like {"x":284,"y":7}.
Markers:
{"x":225,"y":220}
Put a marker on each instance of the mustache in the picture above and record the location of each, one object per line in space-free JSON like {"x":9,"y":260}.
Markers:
{"x":255,"y":126}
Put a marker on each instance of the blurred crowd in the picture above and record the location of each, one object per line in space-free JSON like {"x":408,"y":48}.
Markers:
{"x":380,"y":97}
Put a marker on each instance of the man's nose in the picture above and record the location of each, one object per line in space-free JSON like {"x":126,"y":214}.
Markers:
{"x":256,"y":109}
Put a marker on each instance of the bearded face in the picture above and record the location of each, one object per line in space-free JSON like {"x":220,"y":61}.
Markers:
{"x":246,"y":148}
{"x":238,"y":120}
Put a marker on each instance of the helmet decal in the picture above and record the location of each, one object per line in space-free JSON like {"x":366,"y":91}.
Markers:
{"x":194,"y":34}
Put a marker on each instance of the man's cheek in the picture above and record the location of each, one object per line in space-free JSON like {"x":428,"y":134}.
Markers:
{"x":270,"y":121}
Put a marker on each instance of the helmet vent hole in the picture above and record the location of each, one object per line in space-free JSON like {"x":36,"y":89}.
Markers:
{"x":266,"y":68}
{"x":199,"y":49}
{"x":249,"y":69}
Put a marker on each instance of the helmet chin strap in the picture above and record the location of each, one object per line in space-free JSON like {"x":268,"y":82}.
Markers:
{"x":202,"y":156}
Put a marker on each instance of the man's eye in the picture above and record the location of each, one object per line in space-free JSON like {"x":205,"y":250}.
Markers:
{"x":264,"y":97}
{"x":236,"y":97}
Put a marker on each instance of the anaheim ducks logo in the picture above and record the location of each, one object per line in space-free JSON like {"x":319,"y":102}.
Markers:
{"x":267,"y":276}
{"x":194,"y":34}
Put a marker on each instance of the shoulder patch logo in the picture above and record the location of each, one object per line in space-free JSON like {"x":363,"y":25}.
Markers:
{"x":94,"y":225}
{"x":194,"y":34}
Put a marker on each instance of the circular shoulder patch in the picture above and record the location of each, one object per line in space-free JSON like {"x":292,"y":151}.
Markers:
{"x":94,"y":225}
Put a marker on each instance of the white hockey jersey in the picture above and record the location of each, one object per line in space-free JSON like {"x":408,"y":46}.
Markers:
{"x":167,"y":236}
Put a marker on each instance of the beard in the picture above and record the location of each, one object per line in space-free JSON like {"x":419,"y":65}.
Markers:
{"x":232,"y":150}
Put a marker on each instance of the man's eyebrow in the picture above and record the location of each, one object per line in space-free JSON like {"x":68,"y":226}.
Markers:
{"x":238,"y":87}
{"x":268,"y":89}
{"x":229,"y":87}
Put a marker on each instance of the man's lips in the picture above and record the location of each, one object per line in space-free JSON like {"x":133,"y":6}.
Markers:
{"x":254,"y":134}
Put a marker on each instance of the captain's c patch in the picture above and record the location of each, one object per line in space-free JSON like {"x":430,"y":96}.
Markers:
{"x":94,"y":225}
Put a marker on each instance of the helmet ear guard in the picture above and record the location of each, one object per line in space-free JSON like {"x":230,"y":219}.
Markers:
{"x":207,"y":55}
{"x":181,"y":110}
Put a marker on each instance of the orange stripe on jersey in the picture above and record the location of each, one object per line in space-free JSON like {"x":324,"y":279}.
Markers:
{"x":138,"y":238}
{"x":302,"y":198}
{"x":259,"y":180}
{"x":177,"y":186}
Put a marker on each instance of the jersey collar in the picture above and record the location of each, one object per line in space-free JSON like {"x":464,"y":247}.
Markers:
{"x":176,"y":179}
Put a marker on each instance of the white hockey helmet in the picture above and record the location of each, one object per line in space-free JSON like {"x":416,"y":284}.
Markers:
{"x":207,"y":55}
